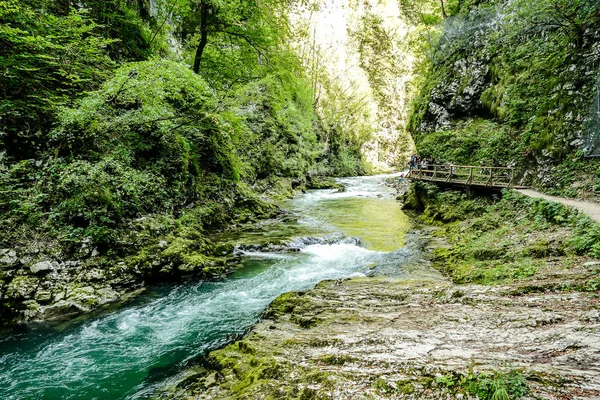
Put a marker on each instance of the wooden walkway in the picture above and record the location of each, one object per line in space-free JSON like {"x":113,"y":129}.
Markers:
{"x":467,"y":176}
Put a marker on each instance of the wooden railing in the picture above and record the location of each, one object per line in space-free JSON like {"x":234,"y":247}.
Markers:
{"x":466,"y":175}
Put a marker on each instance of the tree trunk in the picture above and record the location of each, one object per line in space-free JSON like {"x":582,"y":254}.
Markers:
{"x":203,"y":36}
{"x":62,"y":7}
{"x":443,"y":9}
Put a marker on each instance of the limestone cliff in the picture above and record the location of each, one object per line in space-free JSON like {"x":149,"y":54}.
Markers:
{"x":512,"y":83}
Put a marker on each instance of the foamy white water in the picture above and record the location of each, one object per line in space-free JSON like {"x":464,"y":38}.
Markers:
{"x":127,"y":353}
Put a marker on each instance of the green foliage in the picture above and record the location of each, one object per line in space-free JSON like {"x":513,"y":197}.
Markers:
{"x":147,"y":142}
{"x":586,"y":237}
{"x":517,"y":74}
{"x":497,"y":385}
{"x":443,"y":207}
{"x":240,"y":37}
{"x":272,"y":119}
{"x":46,"y":60}
{"x":474,"y":142}
{"x":505,"y":240}
{"x":97,"y":158}
{"x":127,"y":23}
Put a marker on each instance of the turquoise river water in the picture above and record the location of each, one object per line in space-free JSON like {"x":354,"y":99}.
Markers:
{"x":127,"y":353}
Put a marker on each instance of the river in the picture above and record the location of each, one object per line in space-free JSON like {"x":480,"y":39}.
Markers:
{"x":128,"y":352}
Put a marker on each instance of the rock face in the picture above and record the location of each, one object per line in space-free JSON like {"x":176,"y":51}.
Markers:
{"x":459,"y":97}
{"x":497,"y":75}
{"x":48,"y":289}
{"x":34,"y":286}
{"x":41,"y":267}
{"x":374,"y":338}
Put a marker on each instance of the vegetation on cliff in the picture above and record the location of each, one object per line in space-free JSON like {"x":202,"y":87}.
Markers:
{"x":113,"y":149}
{"x":511,"y":83}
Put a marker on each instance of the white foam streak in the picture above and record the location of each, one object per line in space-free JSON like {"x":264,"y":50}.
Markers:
{"x":113,"y":356}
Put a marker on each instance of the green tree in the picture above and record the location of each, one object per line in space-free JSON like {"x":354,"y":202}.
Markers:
{"x":45,"y":61}
{"x":248,"y":23}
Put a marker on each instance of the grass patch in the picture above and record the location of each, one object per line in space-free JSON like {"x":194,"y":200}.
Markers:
{"x":497,"y":385}
{"x":506,"y":239}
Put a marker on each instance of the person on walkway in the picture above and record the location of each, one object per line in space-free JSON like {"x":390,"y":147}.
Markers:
{"x":424,"y":165}
{"x":414,"y":161}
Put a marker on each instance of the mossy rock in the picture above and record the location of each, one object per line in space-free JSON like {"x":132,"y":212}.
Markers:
{"x":284,"y":304}
{"x":322,"y":182}
{"x":22,"y":287}
{"x":305,"y":322}
{"x":335,"y":359}
{"x":85,"y":296}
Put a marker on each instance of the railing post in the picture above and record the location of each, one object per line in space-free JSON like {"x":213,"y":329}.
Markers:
{"x":505,"y":176}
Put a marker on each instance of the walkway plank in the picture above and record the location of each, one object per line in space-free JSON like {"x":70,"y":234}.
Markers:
{"x":467,"y":176}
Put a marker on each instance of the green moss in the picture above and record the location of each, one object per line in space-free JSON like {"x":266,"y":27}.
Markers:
{"x":320,"y":182}
{"x":383,"y":386}
{"x":85,"y":296}
{"x":21,"y":287}
{"x":306,"y":322}
{"x":505,"y":240}
{"x":315,"y":342}
{"x":335,"y":359}
{"x":471,"y":142}
{"x":442,"y":207}
{"x":284,"y":304}
{"x":487,"y":273}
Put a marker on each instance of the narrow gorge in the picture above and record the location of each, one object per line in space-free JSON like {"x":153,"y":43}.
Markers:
{"x":239,"y":199}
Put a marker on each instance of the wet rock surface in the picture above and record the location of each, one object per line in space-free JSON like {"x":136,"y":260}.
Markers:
{"x":48,"y":289}
{"x":295,"y":244}
{"x":375,"y":338}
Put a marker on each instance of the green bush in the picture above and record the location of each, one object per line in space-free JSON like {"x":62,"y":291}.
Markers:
{"x":586,"y":237}
{"x":147,"y":142}
{"x":496,"y":385}
{"x":504,"y":240}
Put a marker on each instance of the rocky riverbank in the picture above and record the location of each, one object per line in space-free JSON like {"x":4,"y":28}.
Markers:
{"x":513,"y":322}
{"x":38,"y":286}
{"x":426,"y":339}
{"x":39,"y":282}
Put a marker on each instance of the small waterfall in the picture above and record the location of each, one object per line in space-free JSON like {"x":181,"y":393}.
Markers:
{"x":127,"y":353}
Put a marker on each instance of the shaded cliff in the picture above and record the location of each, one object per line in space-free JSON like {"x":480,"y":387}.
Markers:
{"x":513,"y":83}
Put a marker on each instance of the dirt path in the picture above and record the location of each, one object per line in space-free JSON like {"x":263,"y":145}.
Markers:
{"x":592,"y":210}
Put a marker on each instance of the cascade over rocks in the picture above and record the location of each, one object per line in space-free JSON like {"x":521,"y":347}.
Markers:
{"x":297,"y":244}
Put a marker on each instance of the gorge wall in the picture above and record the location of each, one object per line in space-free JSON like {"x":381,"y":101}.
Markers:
{"x":513,"y":83}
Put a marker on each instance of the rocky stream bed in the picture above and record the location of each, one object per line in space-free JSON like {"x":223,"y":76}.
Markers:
{"x":372,"y":338}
